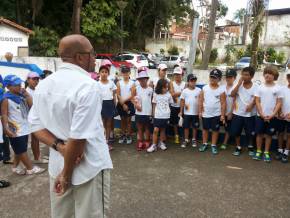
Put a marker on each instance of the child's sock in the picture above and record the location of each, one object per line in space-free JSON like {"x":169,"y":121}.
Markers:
{"x":259,"y":151}
{"x":186,"y":140}
{"x":250,"y":146}
{"x":213,"y":145}
{"x":239,"y":147}
{"x":280,"y":150}
{"x":286,"y":152}
{"x":111,"y":134}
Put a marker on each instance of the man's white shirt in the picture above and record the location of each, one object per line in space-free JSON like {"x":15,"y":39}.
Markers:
{"x":68,"y":104}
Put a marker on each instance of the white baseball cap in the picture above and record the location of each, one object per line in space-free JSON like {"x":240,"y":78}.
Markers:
{"x":162,"y":66}
{"x":178,"y":70}
{"x":142,"y":74}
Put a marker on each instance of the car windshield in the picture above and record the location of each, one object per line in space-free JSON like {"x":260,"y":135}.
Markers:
{"x":117,"y":58}
{"x":174,"y":58}
{"x":245,"y":60}
{"x":165,"y":59}
{"x":143,"y":58}
{"x":127,"y":57}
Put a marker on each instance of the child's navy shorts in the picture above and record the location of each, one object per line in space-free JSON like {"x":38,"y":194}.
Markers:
{"x":108,"y":109}
{"x":212,"y":123}
{"x":160,"y":123}
{"x":282,"y":125}
{"x":129,"y":113}
{"x":268,"y":128}
{"x":239,"y":123}
{"x":19,"y":144}
{"x":190,"y":121}
{"x":174,"y":111}
{"x":143,"y":119}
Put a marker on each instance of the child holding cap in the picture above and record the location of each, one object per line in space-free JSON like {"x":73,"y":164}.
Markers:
{"x":268,"y":101}
{"x":109,"y":100}
{"x":143,"y":108}
{"x":14,"y":108}
{"x":125,"y":107}
{"x":231,"y":75}
{"x":212,"y":110}
{"x":189,"y":110}
{"x":176,"y":87}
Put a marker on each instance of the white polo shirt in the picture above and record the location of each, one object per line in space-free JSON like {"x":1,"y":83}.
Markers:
{"x":68,"y":104}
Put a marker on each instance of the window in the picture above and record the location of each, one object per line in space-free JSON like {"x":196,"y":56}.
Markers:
{"x":143,"y":58}
{"x":127,"y":57}
{"x":174,"y":58}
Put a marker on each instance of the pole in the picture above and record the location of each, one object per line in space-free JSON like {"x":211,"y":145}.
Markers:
{"x":122,"y":28}
{"x":193,"y":45}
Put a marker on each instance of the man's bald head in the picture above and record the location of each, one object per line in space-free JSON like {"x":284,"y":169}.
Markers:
{"x":70,"y":45}
{"x":78,"y":50}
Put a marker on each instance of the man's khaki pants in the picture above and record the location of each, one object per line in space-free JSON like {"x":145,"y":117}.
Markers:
{"x":87,"y":200}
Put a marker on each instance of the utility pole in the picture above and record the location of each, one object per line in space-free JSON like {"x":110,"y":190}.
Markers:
{"x":193,"y":45}
{"x":122,"y":5}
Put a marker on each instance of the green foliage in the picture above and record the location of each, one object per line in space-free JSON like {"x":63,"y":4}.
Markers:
{"x":222,"y":10}
{"x":99,"y":19}
{"x":44,"y":42}
{"x":239,"y":53}
{"x":197,"y":53}
{"x":281,"y":57}
{"x":271,"y":55}
{"x":213,"y":55}
{"x":162,"y":51}
{"x":173,"y":50}
{"x":239,"y":15}
{"x":230,"y":50}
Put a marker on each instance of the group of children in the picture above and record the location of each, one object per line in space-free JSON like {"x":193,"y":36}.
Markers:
{"x":259,"y":111}
{"x":15,"y":104}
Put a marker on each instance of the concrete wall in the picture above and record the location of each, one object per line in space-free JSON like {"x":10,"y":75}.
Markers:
{"x":11,"y":39}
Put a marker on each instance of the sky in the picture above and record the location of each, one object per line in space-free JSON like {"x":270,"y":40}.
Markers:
{"x":233,"y":5}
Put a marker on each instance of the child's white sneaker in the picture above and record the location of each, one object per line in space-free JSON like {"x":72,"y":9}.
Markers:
{"x":35,"y":170}
{"x":162,"y":146}
{"x":19,"y":170}
{"x":152,"y":148}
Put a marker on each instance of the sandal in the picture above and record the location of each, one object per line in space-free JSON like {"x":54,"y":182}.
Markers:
{"x":4,"y":184}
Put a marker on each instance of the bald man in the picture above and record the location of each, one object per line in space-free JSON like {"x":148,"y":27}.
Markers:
{"x":66,"y":116}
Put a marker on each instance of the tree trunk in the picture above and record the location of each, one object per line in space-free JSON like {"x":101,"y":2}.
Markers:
{"x":76,"y":17}
{"x":18,"y":12}
{"x":245,"y":29}
{"x":211,"y":34}
{"x":255,"y":46}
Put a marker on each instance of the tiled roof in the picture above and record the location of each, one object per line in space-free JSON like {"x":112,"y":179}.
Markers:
{"x":15,"y":25}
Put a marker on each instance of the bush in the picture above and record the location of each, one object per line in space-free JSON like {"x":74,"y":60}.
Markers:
{"x":162,"y":51}
{"x":271,"y":55}
{"x":280,"y":57}
{"x":239,"y":53}
{"x":213,"y":55}
{"x":173,"y":50}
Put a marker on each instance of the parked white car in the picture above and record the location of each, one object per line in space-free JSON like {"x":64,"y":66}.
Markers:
{"x":136,"y":59}
{"x":243,"y":62}
{"x":174,"y":61}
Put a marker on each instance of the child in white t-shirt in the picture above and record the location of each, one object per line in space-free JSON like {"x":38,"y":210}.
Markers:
{"x":176,"y":87}
{"x":108,"y":94}
{"x":125,"y":106}
{"x":189,"y":110}
{"x":212,"y":110}
{"x":283,"y":126}
{"x":231,"y":75}
{"x":244,"y":111}
{"x":268,"y":102}
{"x":143,"y":110}
{"x":161,"y":111}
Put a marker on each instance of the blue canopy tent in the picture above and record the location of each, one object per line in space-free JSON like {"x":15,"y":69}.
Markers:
{"x":4,"y":66}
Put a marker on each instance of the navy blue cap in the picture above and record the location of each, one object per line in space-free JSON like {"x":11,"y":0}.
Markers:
{"x":191,"y":77}
{"x":216,"y":73}
{"x":231,"y":73}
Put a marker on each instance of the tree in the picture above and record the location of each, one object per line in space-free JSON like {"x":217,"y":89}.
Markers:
{"x":256,"y":27}
{"x":76,"y":16}
{"x":239,"y":15}
{"x":211,"y":34}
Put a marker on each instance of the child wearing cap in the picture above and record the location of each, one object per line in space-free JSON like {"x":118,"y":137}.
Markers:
{"x":231,"y":75}
{"x":212,"y":110}
{"x":244,"y":111}
{"x":161,"y":111}
{"x":14,"y":109}
{"x":109,"y":100}
{"x":268,"y":101}
{"x":125,"y":106}
{"x":189,"y":110}
{"x":31,"y":82}
{"x":143,"y":110}
{"x":176,"y":88}
{"x":161,"y":71}
{"x":283,"y":124}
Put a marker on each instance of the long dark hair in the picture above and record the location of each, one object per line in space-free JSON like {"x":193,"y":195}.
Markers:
{"x":160,"y":84}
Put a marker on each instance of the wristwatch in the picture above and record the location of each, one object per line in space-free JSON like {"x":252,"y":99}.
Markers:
{"x":56,"y":142}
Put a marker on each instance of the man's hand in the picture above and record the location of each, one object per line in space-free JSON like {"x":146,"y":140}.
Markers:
{"x":61,"y":149}
{"x":61,"y":184}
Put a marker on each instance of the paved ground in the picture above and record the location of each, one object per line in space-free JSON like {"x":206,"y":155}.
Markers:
{"x":176,"y":183}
